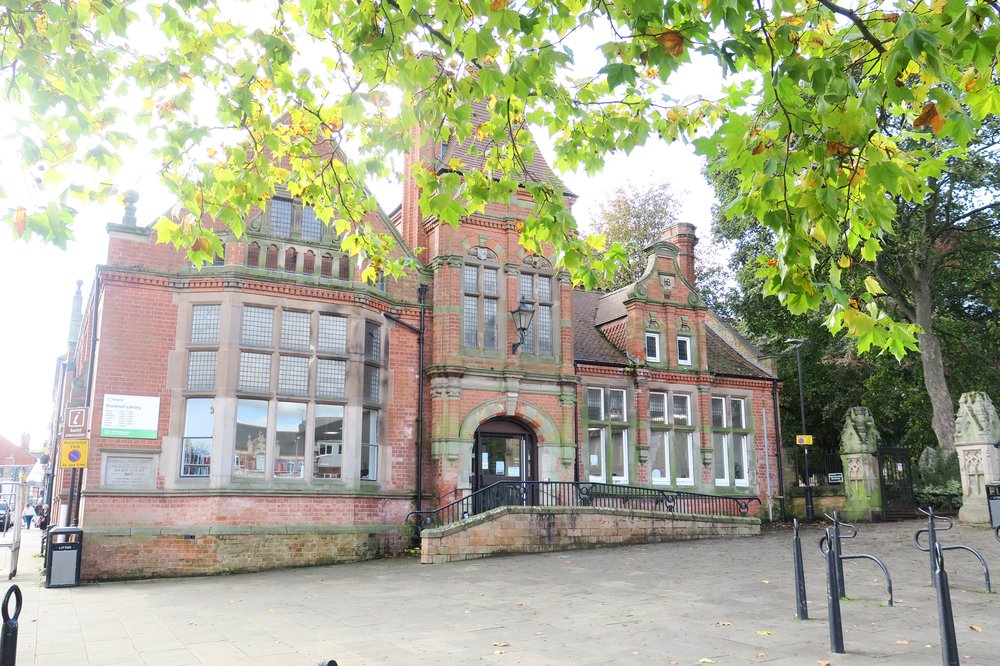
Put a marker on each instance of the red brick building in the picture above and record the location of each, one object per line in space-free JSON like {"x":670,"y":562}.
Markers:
{"x":265,"y":411}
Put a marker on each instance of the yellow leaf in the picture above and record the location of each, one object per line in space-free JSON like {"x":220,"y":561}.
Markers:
{"x":501,"y":644}
{"x":873,"y":287}
{"x":976,"y":629}
{"x":937,"y":6}
{"x":705,"y":660}
{"x":766,"y":582}
{"x":844,"y":261}
{"x":19,"y":220}
{"x":764,"y":633}
{"x":498,"y":5}
{"x":902,"y":642}
{"x":761,"y":654}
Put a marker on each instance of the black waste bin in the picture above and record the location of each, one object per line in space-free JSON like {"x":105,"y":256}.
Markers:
{"x":993,"y":499}
{"x":62,"y":559}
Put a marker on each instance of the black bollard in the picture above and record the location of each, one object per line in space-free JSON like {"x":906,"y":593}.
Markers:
{"x":946,"y":620}
{"x":839,"y":550}
{"x":801,"y":609}
{"x":932,"y":542}
{"x":833,"y":599}
{"x":327,"y":662}
{"x":8,"y":636}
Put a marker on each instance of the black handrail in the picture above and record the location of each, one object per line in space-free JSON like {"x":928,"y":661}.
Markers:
{"x":574,"y":493}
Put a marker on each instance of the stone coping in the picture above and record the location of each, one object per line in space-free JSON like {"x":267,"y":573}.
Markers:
{"x":492,"y":514}
{"x":238,"y":530}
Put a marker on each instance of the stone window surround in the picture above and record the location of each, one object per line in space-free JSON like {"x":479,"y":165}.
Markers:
{"x":226,"y":395}
{"x":747,"y":431}
{"x":608,"y":430}
{"x":669,"y":427}
{"x":655,"y":336}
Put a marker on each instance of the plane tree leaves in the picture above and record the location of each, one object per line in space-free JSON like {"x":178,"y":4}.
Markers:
{"x":236,"y":100}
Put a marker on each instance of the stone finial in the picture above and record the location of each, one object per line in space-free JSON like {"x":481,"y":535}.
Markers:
{"x":859,"y":434}
{"x":130,"y":197}
{"x":977,"y":421}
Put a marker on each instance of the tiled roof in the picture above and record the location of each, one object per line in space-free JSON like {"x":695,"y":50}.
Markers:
{"x":723,"y":359}
{"x":589,"y":344}
{"x":12,"y":454}
{"x":472,"y":153}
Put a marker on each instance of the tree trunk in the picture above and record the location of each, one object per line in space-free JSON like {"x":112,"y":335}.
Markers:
{"x":942,"y":408}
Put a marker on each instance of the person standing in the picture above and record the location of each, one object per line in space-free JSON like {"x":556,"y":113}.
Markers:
{"x":28,"y":514}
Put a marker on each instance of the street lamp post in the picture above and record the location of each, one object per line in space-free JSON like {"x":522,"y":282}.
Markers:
{"x":798,"y":342}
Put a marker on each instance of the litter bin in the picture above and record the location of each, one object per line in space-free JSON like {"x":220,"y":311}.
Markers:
{"x":993,"y":499}
{"x":62,"y":559}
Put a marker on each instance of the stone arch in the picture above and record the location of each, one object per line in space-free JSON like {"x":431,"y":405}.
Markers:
{"x":544,"y":428}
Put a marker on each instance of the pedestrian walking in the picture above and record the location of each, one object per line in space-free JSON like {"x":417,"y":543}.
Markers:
{"x":28,"y":514}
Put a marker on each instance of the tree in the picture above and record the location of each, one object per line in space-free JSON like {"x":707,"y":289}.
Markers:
{"x":825,"y":172}
{"x":635,"y":218}
{"x":939,"y":273}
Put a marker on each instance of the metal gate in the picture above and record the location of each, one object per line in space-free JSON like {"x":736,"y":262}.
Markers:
{"x":896,"y":481}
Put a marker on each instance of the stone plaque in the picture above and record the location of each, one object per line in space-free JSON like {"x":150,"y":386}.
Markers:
{"x":129,"y":471}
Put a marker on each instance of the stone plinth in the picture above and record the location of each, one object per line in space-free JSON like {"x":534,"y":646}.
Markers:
{"x":858,"y":443}
{"x":977,"y":431}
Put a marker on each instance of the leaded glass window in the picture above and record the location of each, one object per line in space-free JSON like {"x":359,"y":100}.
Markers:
{"x":332,"y":334}
{"x":293,"y":375}
{"x":205,"y":324}
{"x":480,"y":300}
{"x":295,"y":330}
{"x":331,"y":376}
{"x":281,"y":217}
{"x":255,"y":372}
{"x":258,"y":327}
{"x":201,"y":370}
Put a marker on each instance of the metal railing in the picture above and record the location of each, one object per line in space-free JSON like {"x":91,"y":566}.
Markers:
{"x":569,"y":493}
{"x":821,"y":464}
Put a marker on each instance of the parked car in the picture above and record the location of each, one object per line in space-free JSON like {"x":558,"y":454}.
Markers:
{"x":5,"y":519}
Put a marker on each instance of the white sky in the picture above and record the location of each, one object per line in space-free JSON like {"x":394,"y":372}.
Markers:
{"x":39,"y":280}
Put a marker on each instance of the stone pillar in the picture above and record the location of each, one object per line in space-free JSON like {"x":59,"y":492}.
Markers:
{"x":858,"y":443}
{"x":977,"y":431}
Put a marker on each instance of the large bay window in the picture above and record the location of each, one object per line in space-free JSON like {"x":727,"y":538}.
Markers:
{"x":607,"y":436}
{"x":298,"y":374}
{"x":671,"y":439}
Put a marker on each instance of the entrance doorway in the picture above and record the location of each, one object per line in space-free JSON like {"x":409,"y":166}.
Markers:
{"x":504,"y":451}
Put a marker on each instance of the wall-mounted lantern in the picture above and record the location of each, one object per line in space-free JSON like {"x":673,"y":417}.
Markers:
{"x":522,"y":321}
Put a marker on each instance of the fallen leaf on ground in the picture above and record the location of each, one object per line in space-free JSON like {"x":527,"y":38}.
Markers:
{"x":823,"y":662}
{"x":902,"y":642}
{"x":761,"y":654}
{"x":976,"y":629}
{"x":764,"y":633}
{"x":705,"y":661}
{"x":766,"y":582}
{"x":723,"y":623}
{"x":501,"y":644}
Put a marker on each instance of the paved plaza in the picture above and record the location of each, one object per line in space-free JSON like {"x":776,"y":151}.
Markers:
{"x":722,"y":601}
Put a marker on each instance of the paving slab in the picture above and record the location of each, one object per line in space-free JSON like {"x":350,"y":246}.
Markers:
{"x":722,"y":601}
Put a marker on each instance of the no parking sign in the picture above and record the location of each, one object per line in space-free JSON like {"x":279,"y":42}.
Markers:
{"x":74,"y":453}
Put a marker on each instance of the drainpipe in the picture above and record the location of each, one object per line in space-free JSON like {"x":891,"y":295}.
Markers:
{"x":74,"y":513}
{"x":55,"y":436}
{"x":777,"y":448}
{"x":422,"y":299}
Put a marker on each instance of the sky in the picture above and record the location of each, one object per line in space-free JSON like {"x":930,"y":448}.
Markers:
{"x":39,"y":281}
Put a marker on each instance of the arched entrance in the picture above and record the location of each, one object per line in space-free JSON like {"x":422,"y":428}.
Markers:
{"x":504,"y":451}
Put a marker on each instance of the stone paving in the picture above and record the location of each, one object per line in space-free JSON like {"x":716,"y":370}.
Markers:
{"x":722,"y":601}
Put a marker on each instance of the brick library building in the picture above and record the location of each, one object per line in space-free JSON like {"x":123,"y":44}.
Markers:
{"x":274,"y":410}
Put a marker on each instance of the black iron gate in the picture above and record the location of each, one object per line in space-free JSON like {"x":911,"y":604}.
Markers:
{"x":896,"y":481}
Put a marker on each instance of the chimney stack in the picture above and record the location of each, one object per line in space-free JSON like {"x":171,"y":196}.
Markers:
{"x":683,"y":236}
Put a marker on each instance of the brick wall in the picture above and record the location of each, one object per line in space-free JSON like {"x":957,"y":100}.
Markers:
{"x":549,"y":529}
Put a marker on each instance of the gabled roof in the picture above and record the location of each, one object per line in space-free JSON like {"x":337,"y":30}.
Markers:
{"x":472,"y":152}
{"x":589,"y":344}
{"x":12,"y":454}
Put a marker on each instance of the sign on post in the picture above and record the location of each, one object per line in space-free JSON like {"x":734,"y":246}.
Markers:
{"x":130,"y":416}
{"x":804,"y":440}
{"x":74,"y":453}
{"x":75,"y":425}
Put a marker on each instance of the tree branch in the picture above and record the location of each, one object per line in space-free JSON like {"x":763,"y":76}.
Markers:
{"x":856,"y":20}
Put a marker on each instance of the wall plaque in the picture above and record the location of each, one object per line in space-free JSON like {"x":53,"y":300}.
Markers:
{"x":129,"y":470}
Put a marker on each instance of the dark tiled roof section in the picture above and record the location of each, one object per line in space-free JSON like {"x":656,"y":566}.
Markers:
{"x":723,"y":359}
{"x":611,"y":306}
{"x":589,"y":344}
{"x":472,"y":153}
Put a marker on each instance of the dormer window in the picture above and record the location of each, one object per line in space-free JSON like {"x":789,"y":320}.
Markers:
{"x":652,"y":348}
{"x":683,"y":350}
